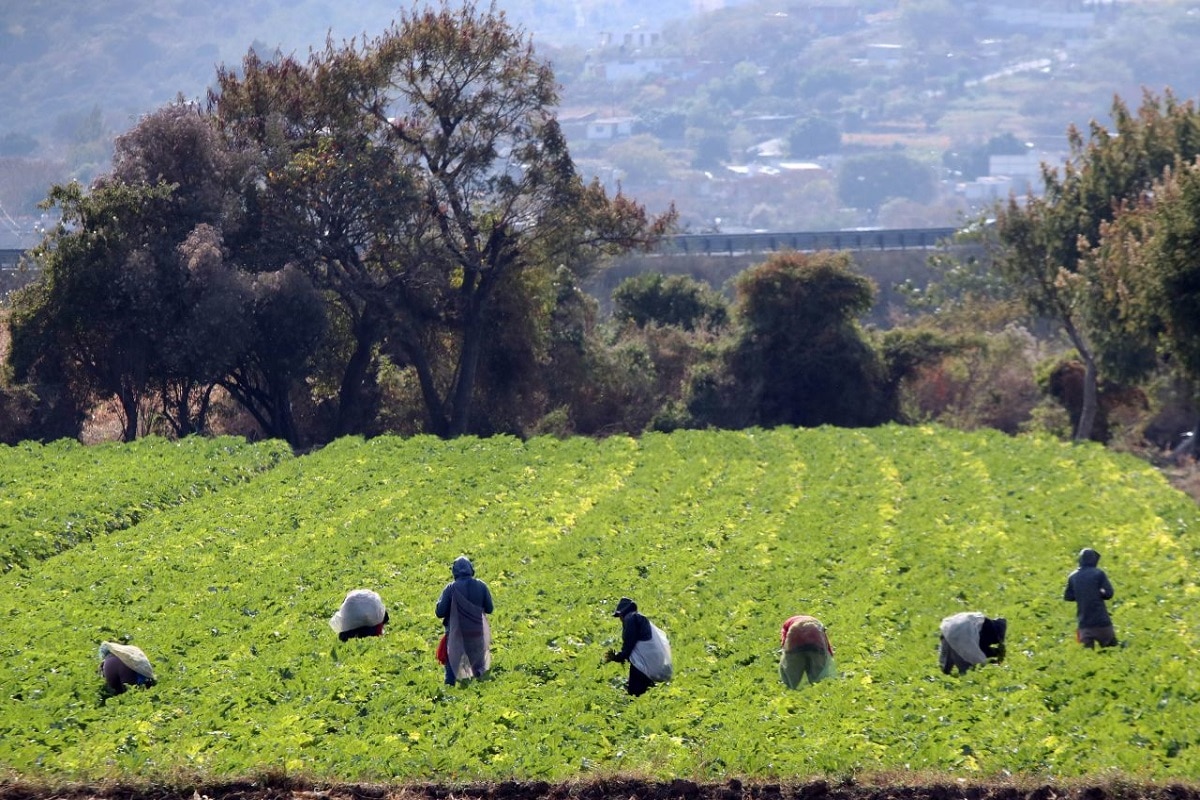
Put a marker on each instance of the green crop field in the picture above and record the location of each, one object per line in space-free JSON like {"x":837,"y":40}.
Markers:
{"x":719,"y":536}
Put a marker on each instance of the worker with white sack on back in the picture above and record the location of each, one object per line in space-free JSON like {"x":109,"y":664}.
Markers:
{"x":124,"y":665}
{"x":644,"y":646}
{"x":969,"y":639}
{"x":362,"y":614}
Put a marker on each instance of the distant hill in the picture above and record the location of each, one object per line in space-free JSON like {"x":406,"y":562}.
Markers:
{"x":61,"y":58}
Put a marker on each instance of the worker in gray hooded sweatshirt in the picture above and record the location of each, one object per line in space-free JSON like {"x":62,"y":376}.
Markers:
{"x":1089,"y":587}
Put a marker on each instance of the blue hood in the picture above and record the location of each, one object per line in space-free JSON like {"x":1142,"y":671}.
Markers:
{"x":462,"y":568}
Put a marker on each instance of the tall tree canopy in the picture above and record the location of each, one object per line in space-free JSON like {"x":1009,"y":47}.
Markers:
{"x":1044,"y":237}
{"x":413,"y":176}
{"x":404,"y":205}
{"x":141,"y":298}
{"x":798,"y":356}
{"x":1142,"y":282}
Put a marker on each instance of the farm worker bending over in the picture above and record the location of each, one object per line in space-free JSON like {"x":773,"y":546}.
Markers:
{"x":644,"y":646}
{"x":1088,"y":586}
{"x":124,"y":665}
{"x":969,"y":639}
{"x":362,"y":614}
{"x":806,"y":651}
{"x":463,"y":609}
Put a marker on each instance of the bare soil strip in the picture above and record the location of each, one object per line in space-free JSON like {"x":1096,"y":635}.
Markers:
{"x":605,"y":789}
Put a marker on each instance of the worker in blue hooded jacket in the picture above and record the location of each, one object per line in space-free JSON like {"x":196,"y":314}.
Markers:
{"x":1089,"y":587}
{"x":463,"y":608}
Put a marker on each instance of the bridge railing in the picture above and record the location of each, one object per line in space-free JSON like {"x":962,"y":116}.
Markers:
{"x":715,"y":244}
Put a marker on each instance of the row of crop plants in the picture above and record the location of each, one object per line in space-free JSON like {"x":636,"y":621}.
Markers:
{"x":54,"y":496}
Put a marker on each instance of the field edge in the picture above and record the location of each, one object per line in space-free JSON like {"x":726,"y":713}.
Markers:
{"x":866,"y":787}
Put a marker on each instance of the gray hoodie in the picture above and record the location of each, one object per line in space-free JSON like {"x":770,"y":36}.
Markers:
{"x":1088,"y":586}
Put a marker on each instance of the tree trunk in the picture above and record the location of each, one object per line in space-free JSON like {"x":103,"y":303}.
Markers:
{"x":439,"y":424}
{"x":129,"y":407}
{"x":349,"y":394}
{"x":1088,"y":407}
{"x":468,"y":369}
{"x":285,"y":420}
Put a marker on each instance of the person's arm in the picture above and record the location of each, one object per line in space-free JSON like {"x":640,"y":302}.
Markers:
{"x":989,"y":640}
{"x":486,"y":605}
{"x":1069,"y":594}
{"x":1106,"y":589}
{"x":629,"y":637}
{"x":443,"y":603}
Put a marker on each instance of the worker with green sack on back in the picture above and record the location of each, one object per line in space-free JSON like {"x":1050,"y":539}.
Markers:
{"x":806,"y":651}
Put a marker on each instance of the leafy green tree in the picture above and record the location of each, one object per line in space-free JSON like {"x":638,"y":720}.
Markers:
{"x":799,"y":356}
{"x":827,"y":80}
{"x":662,"y":123}
{"x":89,"y":323}
{"x":472,"y":114}
{"x":711,"y":149}
{"x":288,"y":324}
{"x":678,"y":301}
{"x":140,"y":297}
{"x":1141,"y":283}
{"x":200,"y":297}
{"x":938,"y":25}
{"x":1044,"y":237}
{"x":641,"y":158}
{"x":814,"y":136}
{"x":870,"y":181}
{"x":417,"y":175}
{"x":332,"y":197}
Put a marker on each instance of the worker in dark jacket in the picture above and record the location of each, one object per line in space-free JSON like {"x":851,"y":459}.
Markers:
{"x":463,"y":608}
{"x":644,"y":646}
{"x":1089,"y":587}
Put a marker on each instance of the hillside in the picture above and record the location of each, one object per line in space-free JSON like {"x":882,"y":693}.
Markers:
{"x":722,"y":85}
{"x":719,"y":536}
{"x":61,"y":58}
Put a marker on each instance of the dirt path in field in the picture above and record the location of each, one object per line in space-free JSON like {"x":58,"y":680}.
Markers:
{"x":609,"y":789}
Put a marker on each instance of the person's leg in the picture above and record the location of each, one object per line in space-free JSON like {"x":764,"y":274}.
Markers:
{"x":953,"y":661}
{"x":638,"y":683}
{"x":945,"y":660}
{"x":791,"y":669}
{"x":449,"y":675}
{"x":815,"y":663}
{"x":1105,"y":636}
{"x":117,"y":675}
